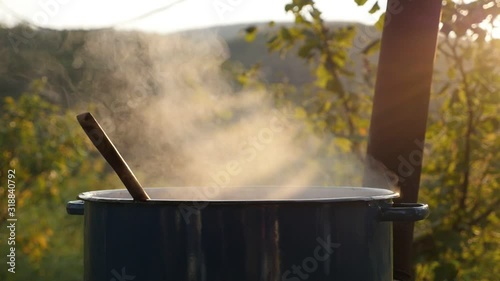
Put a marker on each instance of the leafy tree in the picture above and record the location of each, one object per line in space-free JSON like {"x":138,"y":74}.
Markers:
{"x":50,"y":155}
{"x":337,"y":102}
{"x":469,"y":18}
{"x":461,"y":174}
{"x":460,"y":180}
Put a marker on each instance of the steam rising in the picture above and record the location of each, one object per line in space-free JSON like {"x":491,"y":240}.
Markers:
{"x":175,"y":117}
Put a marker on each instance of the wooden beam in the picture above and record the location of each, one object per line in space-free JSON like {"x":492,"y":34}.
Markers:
{"x":400,"y":105}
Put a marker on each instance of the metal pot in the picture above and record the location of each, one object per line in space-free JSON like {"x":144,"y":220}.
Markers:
{"x":319,"y":233}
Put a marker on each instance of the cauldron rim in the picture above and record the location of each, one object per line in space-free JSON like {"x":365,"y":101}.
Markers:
{"x":302,"y":195}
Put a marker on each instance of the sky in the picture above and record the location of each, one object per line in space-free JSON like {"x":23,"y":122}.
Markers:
{"x":173,"y":15}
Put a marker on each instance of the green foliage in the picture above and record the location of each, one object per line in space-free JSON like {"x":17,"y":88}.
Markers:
{"x":460,"y":178}
{"x":49,"y":153}
{"x":327,"y":52}
{"x":461,"y":173}
{"x":468,"y":18}
{"x":360,"y":2}
{"x":375,"y":6}
{"x":250,"y":33}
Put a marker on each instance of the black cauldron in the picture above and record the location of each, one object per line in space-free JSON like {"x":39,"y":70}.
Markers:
{"x":244,"y":234}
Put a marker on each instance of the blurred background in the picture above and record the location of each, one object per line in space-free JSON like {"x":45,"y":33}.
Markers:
{"x":283,"y":88}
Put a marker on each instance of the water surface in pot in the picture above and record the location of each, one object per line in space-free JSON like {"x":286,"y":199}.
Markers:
{"x":248,"y":194}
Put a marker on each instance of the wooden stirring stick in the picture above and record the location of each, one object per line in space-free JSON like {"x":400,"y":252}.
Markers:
{"x":112,"y":156}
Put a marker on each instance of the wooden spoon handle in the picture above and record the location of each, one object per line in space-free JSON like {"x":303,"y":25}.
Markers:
{"x":111,"y":154}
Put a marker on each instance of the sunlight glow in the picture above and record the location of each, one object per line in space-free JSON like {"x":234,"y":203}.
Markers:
{"x":180,"y":14}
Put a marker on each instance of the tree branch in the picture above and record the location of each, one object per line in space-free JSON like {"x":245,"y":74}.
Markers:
{"x":468,"y":132}
{"x":330,"y":66}
{"x":493,"y":207}
{"x":479,"y":201}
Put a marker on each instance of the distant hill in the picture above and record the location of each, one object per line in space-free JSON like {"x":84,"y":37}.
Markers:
{"x":274,"y":67}
{"x":27,"y":54}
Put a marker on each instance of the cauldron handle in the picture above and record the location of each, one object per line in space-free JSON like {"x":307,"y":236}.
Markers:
{"x":404,"y":212}
{"x":75,"y":207}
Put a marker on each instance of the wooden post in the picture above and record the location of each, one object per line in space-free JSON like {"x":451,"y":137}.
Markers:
{"x":400,"y":106}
